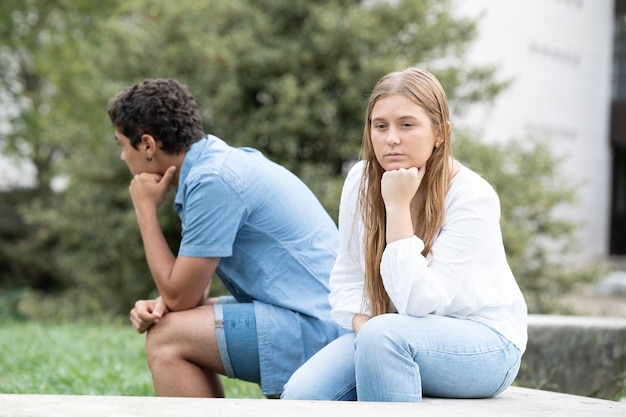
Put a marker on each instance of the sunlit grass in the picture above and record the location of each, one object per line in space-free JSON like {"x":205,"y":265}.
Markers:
{"x":81,"y":359}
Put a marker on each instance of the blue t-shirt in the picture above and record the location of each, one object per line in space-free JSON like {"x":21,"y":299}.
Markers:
{"x":277,"y":246}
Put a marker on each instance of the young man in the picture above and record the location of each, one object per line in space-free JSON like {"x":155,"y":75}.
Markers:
{"x":245,"y":218}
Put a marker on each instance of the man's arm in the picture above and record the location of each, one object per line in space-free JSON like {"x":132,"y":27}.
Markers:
{"x":146,"y":313}
{"x":181,"y":281}
{"x":189,"y":282}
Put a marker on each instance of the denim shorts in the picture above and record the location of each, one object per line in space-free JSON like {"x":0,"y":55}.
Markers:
{"x":235,"y":330}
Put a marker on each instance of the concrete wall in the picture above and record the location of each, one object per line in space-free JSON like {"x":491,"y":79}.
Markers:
{"x":558,"y":55}
{"x":575,"y":355}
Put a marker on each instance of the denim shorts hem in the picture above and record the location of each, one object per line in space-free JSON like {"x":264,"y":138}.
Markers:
{"x":237,"y":340}
{"x":221,"y":340}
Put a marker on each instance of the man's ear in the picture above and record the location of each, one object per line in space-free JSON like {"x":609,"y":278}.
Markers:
{"x":148,"y":145}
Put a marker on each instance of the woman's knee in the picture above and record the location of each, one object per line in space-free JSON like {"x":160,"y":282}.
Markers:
{"x":375,"y":330}
{"x":380,"y":338}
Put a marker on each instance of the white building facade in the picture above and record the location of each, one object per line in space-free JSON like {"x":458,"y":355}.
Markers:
{"x":559,"y":56}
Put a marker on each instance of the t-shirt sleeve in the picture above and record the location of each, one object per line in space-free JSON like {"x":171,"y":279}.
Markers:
{"x":212,"y":214}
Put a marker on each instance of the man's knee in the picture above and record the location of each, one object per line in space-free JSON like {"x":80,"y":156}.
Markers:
{"x":161,"y":338}
{"x":184,"y":335}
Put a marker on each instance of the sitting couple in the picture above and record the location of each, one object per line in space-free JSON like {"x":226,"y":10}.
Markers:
{"x":411,"y":297}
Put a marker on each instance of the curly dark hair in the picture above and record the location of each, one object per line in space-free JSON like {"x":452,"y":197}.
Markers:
{"x":162,"y":108}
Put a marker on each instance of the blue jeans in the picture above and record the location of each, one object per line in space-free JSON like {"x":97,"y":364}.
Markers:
{"x":402,"y":358}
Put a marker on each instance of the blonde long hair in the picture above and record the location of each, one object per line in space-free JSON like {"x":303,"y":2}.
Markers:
{"x":427,"y":206}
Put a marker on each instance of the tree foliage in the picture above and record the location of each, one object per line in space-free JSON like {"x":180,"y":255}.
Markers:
{"x":289,"y":77}
{"x":45,"y":85}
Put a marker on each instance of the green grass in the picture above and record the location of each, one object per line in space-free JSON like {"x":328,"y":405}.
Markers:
{"x":82,"y":359}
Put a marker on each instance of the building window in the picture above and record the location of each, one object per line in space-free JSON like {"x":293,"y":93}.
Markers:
{"x":619,"y":58}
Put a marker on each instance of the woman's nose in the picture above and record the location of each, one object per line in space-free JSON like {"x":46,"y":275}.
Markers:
{"x":393,"y":137}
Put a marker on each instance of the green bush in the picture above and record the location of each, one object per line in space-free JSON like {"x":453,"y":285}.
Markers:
{"x":288,"y":77}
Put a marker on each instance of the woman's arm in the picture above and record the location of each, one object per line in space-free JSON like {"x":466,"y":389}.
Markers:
{"x":466,"y":261}
{"x":346,"y":278}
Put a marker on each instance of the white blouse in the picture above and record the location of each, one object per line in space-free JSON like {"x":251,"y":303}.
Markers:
{"x":467,"y":276}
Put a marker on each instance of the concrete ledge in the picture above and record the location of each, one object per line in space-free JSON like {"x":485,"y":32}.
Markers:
{"x":575,"y":354}
{"x":515,"y":401}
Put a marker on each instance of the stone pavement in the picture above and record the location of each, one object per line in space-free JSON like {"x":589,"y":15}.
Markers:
{"x":515,"y":401}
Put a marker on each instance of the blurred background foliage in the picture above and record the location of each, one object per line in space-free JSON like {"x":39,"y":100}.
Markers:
{"x":289,"y":77}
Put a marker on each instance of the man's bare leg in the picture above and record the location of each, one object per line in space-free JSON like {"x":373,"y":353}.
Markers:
{"x":183,"y":355}
{"x":215,"y":381}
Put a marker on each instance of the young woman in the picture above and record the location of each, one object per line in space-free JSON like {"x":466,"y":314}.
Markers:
{"x":421,"y":279}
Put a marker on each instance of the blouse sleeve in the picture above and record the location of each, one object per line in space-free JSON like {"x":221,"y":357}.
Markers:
{"x":468,"y":268}
{"x":346,"y":278}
